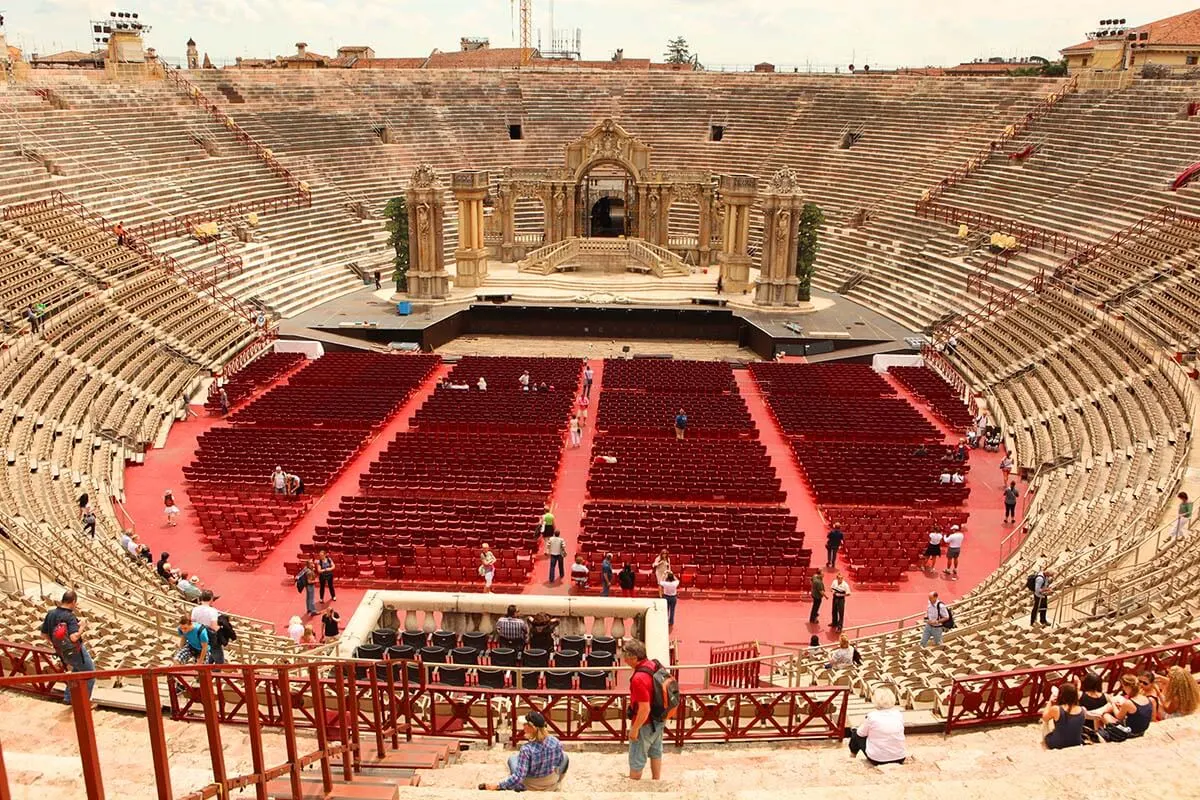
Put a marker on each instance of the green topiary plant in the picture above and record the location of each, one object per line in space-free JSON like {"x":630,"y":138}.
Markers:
{"x":396,"y":213}
{"x":811,"y":219}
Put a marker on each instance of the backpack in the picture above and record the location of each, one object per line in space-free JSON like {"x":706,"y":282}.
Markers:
{"x":62,"y":641}
{"x":664,"y":698}
{"x":1031,"y":582}
{"x":949,"y":623}
{"x":301,"y":580}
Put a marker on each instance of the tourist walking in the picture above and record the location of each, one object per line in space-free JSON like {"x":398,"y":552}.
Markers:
{"x":279,"y":481}
{"x":833,"y":543}
{"x":223,"y":399}
{"x":487,"y":566}
{"x":1184,"y":519}
{"x":64,"y":630}
{"x":1042,"y":590}
{"x":325,"y":570}
{"x":818,"y":594}
{"x":208,"y":617}
{"x":576,"y":432}
{"x":306,"y":581}
{"x":547,"y":525}
{"x":840,"y":590}
{"x":606,"y":574}
{"x":645,"y":730}
{"x":1010,"y":502}
{"x":954,"y":542}
{"x":556,"y":548}
{"x":669,"y":586}
{"x":220,"y":640}
{"x":937,"y":616}
{"x":193,"y":642}
{"x":933,"y":550}
{"x":87,"y":515}
{"x":170,"y":508}
{"x":587,"y":379}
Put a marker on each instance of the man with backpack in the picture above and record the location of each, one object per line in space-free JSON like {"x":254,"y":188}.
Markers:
{"x":64,"y":631}
{"x":1039,"y":584}
{"x":937,"y":620}
{"x":653,"y":699}
{"x":306,"y":581}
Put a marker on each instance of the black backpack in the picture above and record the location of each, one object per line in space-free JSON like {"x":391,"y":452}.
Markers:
{"x":1031,"y":582}
{"x":949,"y":623}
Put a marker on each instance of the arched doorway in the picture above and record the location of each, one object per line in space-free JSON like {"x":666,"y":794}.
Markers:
{"x":606,"y":192}
{"x":608,"y":218}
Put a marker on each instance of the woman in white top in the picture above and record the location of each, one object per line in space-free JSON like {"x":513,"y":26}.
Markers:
{"x":933,"y":550}
{"x":295,"y":629}
{"x":881,"y":736}
{"x":661,"y":566}
{"x":482,"y":384}
{"x":576,"y":432}
{"x":669,"y":586}
{"x":487,"y":566}
{"x":842,"y":656}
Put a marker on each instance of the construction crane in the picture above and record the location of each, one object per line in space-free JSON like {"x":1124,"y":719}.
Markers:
{"x":526,"y":30}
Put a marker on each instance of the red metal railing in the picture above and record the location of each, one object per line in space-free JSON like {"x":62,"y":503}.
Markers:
{"x":299,"y":196}
{"x":997,"y":299}
{"x":1018,"y":128}
{"x":1020,"y":695}
{"x":1028,"y":235}
{"x":299,"y":692}
{"x":1167,"y":215}
{"x":743,"y":673}
{"x":199,"y":282}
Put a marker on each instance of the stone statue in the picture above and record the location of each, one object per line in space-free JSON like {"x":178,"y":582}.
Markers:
{"x":423,"y":218}
{"x":423,"y":177}
{"x":783,"y":223}
{"x":785,"y":181}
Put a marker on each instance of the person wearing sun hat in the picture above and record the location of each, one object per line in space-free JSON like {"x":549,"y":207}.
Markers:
{"x":539,"y":766}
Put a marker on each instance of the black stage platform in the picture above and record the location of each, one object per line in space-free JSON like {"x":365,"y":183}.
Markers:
{"x":844,"y":329}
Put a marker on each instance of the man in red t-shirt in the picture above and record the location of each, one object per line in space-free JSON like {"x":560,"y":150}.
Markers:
{"x":645,"y":735}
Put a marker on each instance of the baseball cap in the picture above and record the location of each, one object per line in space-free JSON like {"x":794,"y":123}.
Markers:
{"x":536,"y":719}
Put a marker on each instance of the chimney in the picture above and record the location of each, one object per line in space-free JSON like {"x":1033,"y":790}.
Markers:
{"x":620,"y":55}
{"x":301,"y":47}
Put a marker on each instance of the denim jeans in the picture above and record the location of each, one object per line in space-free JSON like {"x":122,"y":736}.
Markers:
{"x":310,"y":599}
{"x":671,"y":599}
{"x":85,"y":665}
{"x":561,"y":770}
{"x":933,"y":632}
{"x":557,"y":561}
{"x":647,"y":746}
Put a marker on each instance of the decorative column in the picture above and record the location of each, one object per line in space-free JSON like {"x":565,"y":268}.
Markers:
{"x":470,"y":259}
{"x":782,"y":203}
{"x":506,"y":208}
{"x":737,"y":194}
{"x":704,"y":256}
{"x":427,"y":276}
{"x":652,"y":225}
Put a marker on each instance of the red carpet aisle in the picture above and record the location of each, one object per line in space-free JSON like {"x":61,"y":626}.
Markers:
{"x":702,"y":624}
{"x":570,"y":491}
{"x":265,"y":592}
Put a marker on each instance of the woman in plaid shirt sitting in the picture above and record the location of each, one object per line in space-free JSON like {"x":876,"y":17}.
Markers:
{"x":539,"y":766}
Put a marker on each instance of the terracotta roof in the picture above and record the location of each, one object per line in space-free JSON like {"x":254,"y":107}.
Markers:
{"x":307,"y":56}
{"x":389,"y":63}
{"x":14,"y":53}
{"x":484,"y":58}
{"x":1179,"y":30}
{"x":985,"y":67}
{"x":68,"y":57}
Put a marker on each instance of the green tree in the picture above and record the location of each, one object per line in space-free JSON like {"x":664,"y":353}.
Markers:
{"x":396,"y":214}
{"x":678,"y":51}
{"x":811,"y":219}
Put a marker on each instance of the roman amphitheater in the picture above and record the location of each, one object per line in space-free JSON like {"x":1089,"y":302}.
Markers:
{"x":199,"y":285}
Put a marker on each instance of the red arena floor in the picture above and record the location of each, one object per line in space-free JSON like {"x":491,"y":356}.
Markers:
{"x":265,"y":592}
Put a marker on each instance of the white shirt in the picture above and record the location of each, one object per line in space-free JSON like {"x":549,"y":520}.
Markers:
{"x":524,"y":380}
{"x":127,"y":543}
{"x":279,"y":479}
{"x":669,"y":588}
{"x":955,"y":539}
{"x":296,"y":632}
{"x":945,"y":477}
{"x":205,"y":615}
{"x":840,"y":587}
{"x":935,"y":538}
{"x":933,"y":612}
{"x":957,"y":478}
{"x":556,"y":546}
{"x":885,"y":735}
{"x":482,"y":385}
{"x":587,"y":373}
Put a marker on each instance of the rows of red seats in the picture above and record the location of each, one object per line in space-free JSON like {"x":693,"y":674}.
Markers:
{"x":248,"y":456}
{"x":262,"y":371}
{"x":697,"y":534}
{"x":658,"y":375}
{"x":872,"y":419}
{"x":889,"y":474}
{"x":354,"y":390}
{"x":882,"y":544}
{"x":729,"y":470}
{"x":653,"y":414}
{"x":300,"y":428}
{"x":477,"y":467}
{"x":858,"y":444}
{"x":456,"y":463}
{"x":941,"y":396}
{"x":820,"y":380}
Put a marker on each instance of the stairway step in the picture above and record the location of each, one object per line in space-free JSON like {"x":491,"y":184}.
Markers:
{"x":311,"y":788}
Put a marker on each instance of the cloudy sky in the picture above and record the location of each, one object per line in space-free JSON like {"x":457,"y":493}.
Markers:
{"x":732,"y":32}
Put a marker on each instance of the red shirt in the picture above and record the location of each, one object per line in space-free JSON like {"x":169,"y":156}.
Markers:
{"x":641,"y":685}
